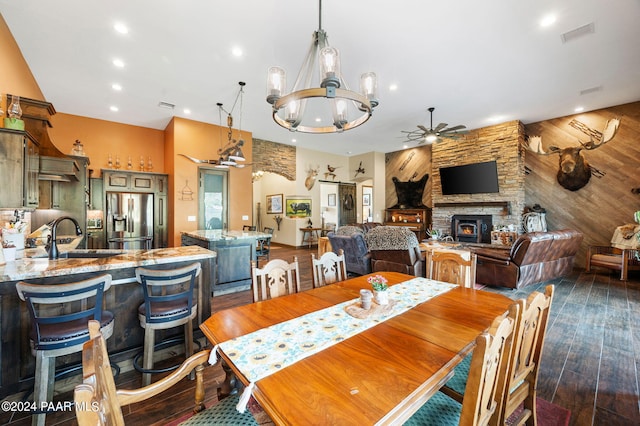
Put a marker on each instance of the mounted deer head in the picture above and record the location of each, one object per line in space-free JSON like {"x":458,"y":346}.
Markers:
{"x":311,"y":177}
{"x":574,"y":171}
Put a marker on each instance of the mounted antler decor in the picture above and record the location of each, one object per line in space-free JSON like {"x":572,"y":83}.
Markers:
{"x":574,"y":171}
{"x":311,"y":177}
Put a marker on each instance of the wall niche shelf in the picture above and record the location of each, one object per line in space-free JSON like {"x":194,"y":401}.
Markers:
{"x":506,"y":207}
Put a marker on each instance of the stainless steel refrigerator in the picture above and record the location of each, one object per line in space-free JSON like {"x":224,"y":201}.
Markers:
{"x":129,"y":220}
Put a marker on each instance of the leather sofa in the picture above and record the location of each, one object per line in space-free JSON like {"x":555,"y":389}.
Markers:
{"x":356,"y":254}
{"x":395,"y":249}
{"x":534,"y":258}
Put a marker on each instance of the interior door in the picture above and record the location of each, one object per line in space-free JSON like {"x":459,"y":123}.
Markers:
{"x":347,"y":200}
{"x":213,"y":199}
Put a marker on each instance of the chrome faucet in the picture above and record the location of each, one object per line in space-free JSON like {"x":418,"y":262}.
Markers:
{"x":53,"y":248}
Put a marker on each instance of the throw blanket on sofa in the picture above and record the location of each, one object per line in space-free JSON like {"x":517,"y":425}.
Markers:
{"x":626,"y":237}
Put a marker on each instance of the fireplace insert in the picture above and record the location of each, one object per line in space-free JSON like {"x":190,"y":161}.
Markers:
{"x":471,"y":228}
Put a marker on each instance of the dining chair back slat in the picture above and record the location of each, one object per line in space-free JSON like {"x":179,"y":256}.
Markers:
{"x":329,"y":269}
{"x":276,"y":278}
{"x":489,"y":362}
{"x":452,"y":267}
{"x":521,"y":383}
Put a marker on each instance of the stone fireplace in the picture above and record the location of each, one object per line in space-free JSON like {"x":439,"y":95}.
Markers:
{"x":471,"y":228}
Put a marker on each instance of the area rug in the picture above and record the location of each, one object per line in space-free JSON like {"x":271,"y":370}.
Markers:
{"x":548,"y":414}
{"x":479,"y":286}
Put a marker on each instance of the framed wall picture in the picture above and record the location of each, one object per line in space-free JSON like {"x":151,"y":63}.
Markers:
{"x":274,"y":204}
{"x":297,"y":207}
{"x":331,"y":200}
{"x":366,"y":199}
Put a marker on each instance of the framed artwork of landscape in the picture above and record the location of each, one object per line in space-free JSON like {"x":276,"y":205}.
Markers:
{"x":274,"y":204}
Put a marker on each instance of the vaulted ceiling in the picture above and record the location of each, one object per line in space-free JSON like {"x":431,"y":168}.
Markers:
{"x":476,"y":62}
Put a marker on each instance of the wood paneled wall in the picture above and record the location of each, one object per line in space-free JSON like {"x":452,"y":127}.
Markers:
{"x":605,"y":202}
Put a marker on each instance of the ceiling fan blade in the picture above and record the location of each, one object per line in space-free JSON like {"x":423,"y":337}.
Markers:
{"x":421,"y":127}
{"x":439,"y":127}
{"x":454,"y":128}
{"x":198,"y":161}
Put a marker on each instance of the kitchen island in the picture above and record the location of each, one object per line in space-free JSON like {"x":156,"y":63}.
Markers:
{"x":123,"y":298}
{"x":235,"y":251}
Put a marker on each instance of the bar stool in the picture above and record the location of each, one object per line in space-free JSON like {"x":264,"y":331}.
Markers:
{"x":168,"y":302}
{"x":61,"y":329}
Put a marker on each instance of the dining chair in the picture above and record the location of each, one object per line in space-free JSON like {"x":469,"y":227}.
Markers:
{"x":330,"y":268}
{"x":99,"y":402}
{"x":520,"y":383}
{"x":59,"y":315}
{"x":263,"y":245}
{"x":489,"y":362}
{"x":452,"y":267}
{"x":168,"y":302}
{"x":248,"y":228}
{"x":276,"y":278}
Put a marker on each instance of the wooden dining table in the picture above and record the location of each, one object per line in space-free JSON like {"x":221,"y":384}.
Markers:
{"x":379,"y":376}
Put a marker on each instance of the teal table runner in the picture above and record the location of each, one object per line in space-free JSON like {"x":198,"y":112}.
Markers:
{"x":268,"y":350}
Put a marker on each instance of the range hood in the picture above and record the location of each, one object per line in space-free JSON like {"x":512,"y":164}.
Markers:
{"x":58,"y":169}
{"x":54,"y":165}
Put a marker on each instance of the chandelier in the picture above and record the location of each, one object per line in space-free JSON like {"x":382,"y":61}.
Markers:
{"x":348,"y":109}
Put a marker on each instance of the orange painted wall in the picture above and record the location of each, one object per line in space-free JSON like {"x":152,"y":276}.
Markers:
{"x":101,"y":138}
{"x":202,"y":140}
{"x":16,"y":75}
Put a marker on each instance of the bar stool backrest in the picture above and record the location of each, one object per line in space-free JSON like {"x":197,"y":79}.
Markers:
{"x":168,"y":294}
{"x":60,"y":312}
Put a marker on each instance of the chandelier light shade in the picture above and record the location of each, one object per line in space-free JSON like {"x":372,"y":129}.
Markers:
{"x":328,"y":94}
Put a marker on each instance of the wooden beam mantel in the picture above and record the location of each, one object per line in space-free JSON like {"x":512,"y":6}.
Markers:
{"x":506,"y":208}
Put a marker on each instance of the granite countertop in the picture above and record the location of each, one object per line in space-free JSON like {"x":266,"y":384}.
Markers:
{"x":103,"y":260}
{"x":220,"y":235}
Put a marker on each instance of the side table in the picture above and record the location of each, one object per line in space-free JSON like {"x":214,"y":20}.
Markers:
{"x":310,"y":235}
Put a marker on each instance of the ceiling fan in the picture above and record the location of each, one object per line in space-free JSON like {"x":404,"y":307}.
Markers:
{"x":433,"y":134}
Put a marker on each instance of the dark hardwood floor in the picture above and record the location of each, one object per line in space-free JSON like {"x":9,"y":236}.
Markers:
{"x":589,"y":363}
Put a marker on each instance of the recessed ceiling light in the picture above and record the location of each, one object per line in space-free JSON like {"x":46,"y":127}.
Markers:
{"x":116,"y":86}
{"x":114,"y":108}
{"x":548,"y":20}
{"x":118,"y":63}
{"x":293,"y":141}
{"x":120,"y":28}
{"x":393,"y":87}
{"x":236,"y":51}
{"x":496,"y":118}
{"x":579,"y":109}
{"x":187,"y":111}
{"x":318,"y":119}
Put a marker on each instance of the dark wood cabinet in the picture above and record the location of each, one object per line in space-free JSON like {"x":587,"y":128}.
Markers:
{"x":233,"y":260}
{"x":19,"y":165}
{"x":418,"y":220}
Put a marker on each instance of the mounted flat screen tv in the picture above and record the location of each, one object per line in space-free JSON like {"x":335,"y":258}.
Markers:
{"x":477,"y":178}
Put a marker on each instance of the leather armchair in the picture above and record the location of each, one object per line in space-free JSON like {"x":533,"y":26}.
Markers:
{"x":396,"y":249}
{"x":534,"y":258}
{"x":356,"y":253}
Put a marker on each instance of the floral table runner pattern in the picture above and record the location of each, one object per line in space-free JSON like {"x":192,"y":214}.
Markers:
{"x":268,"y":350}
